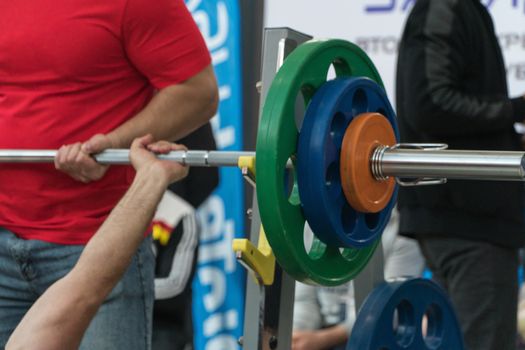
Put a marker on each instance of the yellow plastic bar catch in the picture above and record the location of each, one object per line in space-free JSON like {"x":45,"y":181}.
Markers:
{"x":247,"y":162}
{"x":260,"y":260}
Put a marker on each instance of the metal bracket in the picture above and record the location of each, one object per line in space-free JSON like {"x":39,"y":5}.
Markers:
{"x":247,"y":165}
{"x":258,"y":260}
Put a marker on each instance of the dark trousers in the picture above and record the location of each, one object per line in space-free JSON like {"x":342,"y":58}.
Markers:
{"x":482,"y":282}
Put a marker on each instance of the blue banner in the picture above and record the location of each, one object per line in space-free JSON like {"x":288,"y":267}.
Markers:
{"x":219,"y":286}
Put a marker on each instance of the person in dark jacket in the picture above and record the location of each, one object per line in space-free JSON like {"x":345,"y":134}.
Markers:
{"x":451,"y":88}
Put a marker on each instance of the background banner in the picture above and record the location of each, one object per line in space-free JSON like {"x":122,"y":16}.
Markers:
{"x":376,"y":26}
{"x":218,"y":289}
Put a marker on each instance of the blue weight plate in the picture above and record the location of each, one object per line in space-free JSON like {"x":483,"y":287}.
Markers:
{"x":325,"y":207}
{"x":393,"y":317}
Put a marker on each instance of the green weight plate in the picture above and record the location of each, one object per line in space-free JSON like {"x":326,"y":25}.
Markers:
{"x":302,"y":73}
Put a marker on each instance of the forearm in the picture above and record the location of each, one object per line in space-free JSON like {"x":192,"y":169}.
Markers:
{"x":69,"y":305}
{"x":319,"y":339}
{"x":173,"y":112}
{"x":110,"y":251}
{"x":333,"y":336}
{"x":101,"y":265}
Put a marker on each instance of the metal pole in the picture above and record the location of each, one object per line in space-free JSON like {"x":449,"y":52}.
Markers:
{"x":121,"y":156}
{"x":451,"y":164}
{"x":385,"y":161}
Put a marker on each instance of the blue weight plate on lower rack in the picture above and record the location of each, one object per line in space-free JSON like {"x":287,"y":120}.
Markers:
{"x":328,"y":115}
{"x":415,"y":314}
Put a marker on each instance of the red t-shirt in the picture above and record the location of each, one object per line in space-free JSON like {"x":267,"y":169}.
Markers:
{"x":69,"y":70}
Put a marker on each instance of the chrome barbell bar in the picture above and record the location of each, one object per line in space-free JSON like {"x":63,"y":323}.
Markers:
{"x":433,"y":162}
{"x":121,"y":156}
{"x":399,"y":161}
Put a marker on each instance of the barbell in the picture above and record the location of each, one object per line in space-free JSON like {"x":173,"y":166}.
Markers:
{"x":340,"y":173}
{"x":402,"y":160}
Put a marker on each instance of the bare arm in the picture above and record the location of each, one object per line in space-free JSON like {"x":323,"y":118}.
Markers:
{"x":320,"y":339}
{"x":173,"y":112}
{"x":62,"y":314}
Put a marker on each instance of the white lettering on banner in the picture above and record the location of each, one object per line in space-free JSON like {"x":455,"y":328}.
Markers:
{"x":202,"y":19}
{"x":214,"y":278}
{"x":211,"y":215}
{"x":217,"y":321}
{"x":219,"y":56}
{"x":516,"y":71}
{"x":225,"y":136}
{"x":387,"y":6}
{"x":378,"y":45}
{"x":220,"y":322}
{"x":215,"y":40}
{"x":222,"y":342}
{"x":512,"y":40}
{"x":514,"y":4}
{"x":192,"y":5}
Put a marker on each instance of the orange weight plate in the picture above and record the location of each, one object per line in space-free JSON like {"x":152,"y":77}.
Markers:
{"x":364,"y":134}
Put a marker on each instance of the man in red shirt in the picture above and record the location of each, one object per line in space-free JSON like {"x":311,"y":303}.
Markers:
{"x":81,"y":77}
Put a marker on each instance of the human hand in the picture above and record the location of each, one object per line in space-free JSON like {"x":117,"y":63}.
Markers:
{"x":142,"y":156}
{"x":76,"y":160}
{"x":306,"y":340}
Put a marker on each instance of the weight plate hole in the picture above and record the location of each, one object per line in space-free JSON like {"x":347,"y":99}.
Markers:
{"x":299,"y":110}
{"x":312,"y":245}
{"x":333,"y":180}
{"x":432,"y":326}
{"x":348,"y":218}
{"x":382,"y":112}
{"x":341,"y":67}
{"x":372,"y":220}
{"x":291,"y":189}
{"x":403,"y":324}
{"x":359,"y":102}
{"x":349,"y":254}
{"x":302,"y":100}
{"x":331,"y":74}
{"x":337,"y":129}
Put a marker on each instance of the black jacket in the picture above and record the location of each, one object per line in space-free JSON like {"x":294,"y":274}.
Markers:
{"x":451,"y":88}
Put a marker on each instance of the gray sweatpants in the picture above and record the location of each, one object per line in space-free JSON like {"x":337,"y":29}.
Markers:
{"x":482,"y":282}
